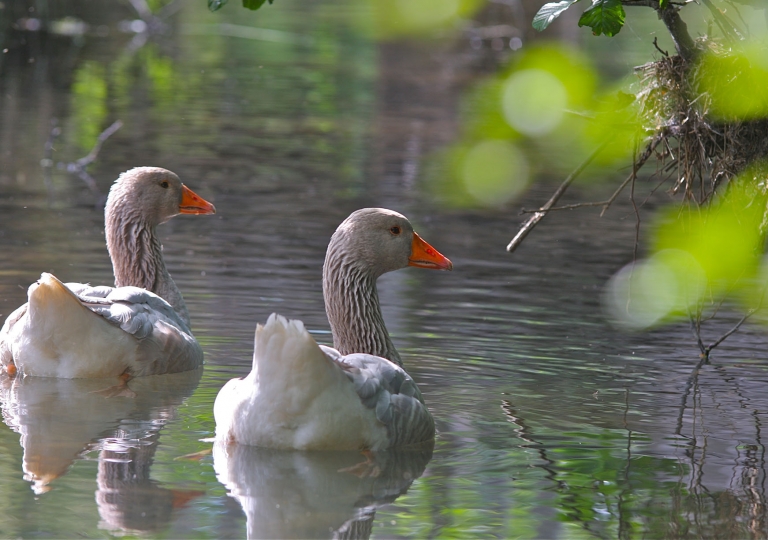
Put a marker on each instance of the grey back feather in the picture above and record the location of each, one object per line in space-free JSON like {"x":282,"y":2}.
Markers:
{"x":166,"y":341}
{"x":134,"y":310}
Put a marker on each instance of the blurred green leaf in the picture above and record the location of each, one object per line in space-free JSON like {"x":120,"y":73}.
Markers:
{"x":89,"y":103}
{"x":616,"y":121}
{"x":663,"y":4}
{"x":483,"y":116}
{"x":215,"y":5}
{"x":570,"y":66}
{"x":736,"y":83}
{"x":549,"y":12}
{"x":420,"y":18}
{"x":725,"y":238}
{"x":701,"y":256}
{"x":604,"y":17}
{"x":254,"y":4}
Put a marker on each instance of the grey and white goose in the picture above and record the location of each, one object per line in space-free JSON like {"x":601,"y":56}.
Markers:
{"x":305,"y":396}
{"x":140,"y":326}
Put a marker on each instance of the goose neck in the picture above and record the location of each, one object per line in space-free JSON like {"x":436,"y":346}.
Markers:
{"x":137,"y":259}
{"x":354,"y":312}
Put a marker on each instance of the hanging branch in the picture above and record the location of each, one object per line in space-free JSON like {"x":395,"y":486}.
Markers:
{"x":549,"y":206}
{"x":528,"y":226}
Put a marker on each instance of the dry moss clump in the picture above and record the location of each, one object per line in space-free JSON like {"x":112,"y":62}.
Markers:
{"x":698,"y":148}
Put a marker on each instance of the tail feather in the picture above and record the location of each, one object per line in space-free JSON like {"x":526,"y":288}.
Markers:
{"x":50,"y":289}
{"x":284,"y":348}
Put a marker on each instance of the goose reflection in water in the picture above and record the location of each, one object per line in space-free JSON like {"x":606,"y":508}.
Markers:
{"x":330,"y":494}
{"x":60,"y":420}
{"x":127,"y":498}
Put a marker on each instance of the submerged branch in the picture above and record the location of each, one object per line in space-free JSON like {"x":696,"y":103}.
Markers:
{"x":93,"y":154}
{"x":79,"y":166}
{"x":722,"y":338}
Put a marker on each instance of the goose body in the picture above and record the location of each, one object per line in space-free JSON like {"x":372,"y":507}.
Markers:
{"x":305,"y":396}
{"x":141,"y":326}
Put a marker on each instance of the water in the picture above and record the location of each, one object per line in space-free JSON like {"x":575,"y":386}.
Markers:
{"x":551,"y":422}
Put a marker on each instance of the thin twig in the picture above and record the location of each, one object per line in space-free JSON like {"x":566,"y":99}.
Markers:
{"x":565,"y":207}
{"x":637,"y":164}
{"x":633,"y":177}
{"x":538,"y":216}
{"x":608,"y":202}
{"x":656,"y":44}
{"x":696,"y":328}
{"x":725,"y":24}
{"x":749,"y":313}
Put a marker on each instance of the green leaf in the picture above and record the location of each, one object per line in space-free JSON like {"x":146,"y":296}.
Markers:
{"x":215,"y":5}
{"x":549,"y":12}
{"x":604,"y":17}
{"x":663,"y":4}
{"x":254,"y":4}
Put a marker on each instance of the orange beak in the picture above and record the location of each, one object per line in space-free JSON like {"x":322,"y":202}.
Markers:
{"x":425,"y":256}
{"x":192,"y":203}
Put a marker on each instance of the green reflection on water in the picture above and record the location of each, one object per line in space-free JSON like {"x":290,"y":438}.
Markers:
{"x":89,"y":107}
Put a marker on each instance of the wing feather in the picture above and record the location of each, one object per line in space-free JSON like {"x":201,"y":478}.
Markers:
{"x":387,"y":389}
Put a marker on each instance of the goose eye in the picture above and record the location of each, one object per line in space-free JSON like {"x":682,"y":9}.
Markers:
{"x":164,"y":184}
{"x":395,"y":230}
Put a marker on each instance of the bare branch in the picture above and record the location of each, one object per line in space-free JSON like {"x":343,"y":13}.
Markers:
{"x":633,"y":177}
{"x":684,"y":44}
{"x":639,"y":162}
{"x":538,"y":216}
{"x":725,"y":24}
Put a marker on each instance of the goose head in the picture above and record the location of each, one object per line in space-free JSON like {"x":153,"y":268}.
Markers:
{"x":377,"y":240}
{"x":151,"y":196}
{"x":369,"y":243}
{"x":139,"y":201}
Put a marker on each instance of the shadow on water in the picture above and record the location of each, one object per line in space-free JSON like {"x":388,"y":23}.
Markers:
{"x":551,"y":422}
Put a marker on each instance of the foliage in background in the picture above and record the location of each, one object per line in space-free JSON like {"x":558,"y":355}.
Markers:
{"x":699,"y":113}
{"x":603,"y":16}
{"x":215,"y":5}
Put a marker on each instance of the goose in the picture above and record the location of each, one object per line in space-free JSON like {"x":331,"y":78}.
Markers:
{"x":304,"y":396}
{"x":138,"y":327}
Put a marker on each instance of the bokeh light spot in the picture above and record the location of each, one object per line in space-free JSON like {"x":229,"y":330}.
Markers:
{"x":426,"y":13}
{"x":534,"y":101}
{"x":645,"y":293}
{"x":494,"y":172}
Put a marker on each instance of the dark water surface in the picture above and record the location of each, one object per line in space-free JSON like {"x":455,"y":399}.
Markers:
{"x":552,"y":423}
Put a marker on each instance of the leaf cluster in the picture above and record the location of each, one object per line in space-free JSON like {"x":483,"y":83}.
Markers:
{"x":215,"y":5}
{"x":603,"y":16}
